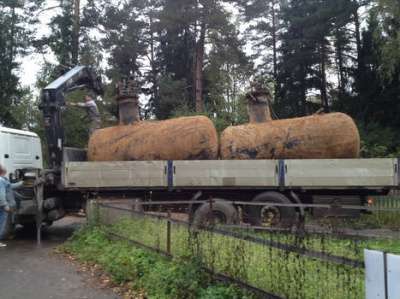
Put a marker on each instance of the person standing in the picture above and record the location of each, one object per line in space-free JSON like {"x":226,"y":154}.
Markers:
{"x":92,"y":112}
{"x":7,"y":201}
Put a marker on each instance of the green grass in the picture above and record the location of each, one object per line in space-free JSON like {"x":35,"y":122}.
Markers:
{"x":375,"y":220}
{"x":277,"y":271}
{"x":348,"y":247}
{"x":381,"y":219}
{"x":378,"y":219}
{"x":142,"y":270}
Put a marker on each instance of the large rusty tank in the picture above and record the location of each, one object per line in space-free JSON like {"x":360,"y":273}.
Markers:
{"x":319,"y":136}
{"x":184,"y":138}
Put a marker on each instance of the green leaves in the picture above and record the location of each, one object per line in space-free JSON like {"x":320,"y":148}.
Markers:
{"x":389,"y":34}
{"x":16,"y":38}
{"x":160,"y":278}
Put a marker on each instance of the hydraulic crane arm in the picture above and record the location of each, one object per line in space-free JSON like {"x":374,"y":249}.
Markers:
{"x":52,"y":101}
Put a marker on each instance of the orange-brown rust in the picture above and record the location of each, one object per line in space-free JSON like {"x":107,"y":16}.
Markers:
{"x":184,"y":138}
{"x":325,"y":136}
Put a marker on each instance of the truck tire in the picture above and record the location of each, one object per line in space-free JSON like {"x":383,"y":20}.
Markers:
{"x":271,"y":216}
{"x":220,"y":212}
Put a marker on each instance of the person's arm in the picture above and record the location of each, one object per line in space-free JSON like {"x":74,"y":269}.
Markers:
{"x":10,"y":196}
{"x":17,"y":185}
{"x":81,"y":105}
{"x":78,"y":104}
{"x":3,"y":198}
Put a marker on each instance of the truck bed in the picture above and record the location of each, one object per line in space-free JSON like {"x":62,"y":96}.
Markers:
{"x":234,"y":174}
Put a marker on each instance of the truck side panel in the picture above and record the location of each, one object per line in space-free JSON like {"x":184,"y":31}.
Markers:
{"x":115,"y":174}
{"x":224,"y":173}
{"x":341,"y":173}
{"x":234,"y":174}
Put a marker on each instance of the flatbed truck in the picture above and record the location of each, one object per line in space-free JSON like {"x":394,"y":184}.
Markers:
{"x":70,"y":179}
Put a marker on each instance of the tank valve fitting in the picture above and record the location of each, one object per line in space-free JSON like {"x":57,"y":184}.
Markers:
{"x":128,"y":101}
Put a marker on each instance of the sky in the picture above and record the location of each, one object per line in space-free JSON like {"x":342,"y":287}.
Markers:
{"x":31,"y":64}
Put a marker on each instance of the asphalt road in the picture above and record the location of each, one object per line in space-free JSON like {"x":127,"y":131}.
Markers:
{"x":29,"y":271}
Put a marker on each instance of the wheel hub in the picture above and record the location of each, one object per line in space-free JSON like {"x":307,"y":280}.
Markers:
{"x":270,"y":215}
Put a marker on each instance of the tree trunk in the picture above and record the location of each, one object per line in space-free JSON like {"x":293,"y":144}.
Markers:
{"x":75,"y":32}
{"x":274,"y":48}
{"x":358,"y":47}
{"x":152,"y":62}
{"x":324,"y":95}
{"x":339,"y":57}
{"x":199,"y":68}
{"x":12,"y":38}
{"x":303,"y":92}
{"x":358,"y":36}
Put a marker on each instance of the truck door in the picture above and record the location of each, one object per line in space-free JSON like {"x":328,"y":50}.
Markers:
{"x":4,"y":151}
{"x":20,"y":152}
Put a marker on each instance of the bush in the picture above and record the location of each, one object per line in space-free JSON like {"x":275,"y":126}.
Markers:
{"x":378,"y":141}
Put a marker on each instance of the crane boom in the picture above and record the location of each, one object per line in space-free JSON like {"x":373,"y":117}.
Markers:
{"x":52,"y":101}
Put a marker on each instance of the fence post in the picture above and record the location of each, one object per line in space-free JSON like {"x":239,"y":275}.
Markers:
{"x":393,"y":274}
{"x":169,"y":233}
{"x":375,"y":274}
{"x":211,"y":214}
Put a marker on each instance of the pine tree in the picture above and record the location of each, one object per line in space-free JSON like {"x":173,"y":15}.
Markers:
{"x":177,"y":53}
{"x":16,"y":38}
{"x":265,"y":34}
{"x":389,"y":11}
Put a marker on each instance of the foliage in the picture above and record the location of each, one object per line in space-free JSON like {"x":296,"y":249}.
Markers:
{"x":282,"y":272}
{"x":221,"y":292}
{"x":379,"y":142}
{"x":171,"y":98}
{"x":159,"y":277}
{"x":388,"y":219}
{"x":16,"y":38}
{"x":389,"y":32}
{"x":285,"y":272}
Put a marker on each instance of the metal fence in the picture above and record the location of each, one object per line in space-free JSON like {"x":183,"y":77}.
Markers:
{"x":391,"y":201}
{"x":271,"y":263}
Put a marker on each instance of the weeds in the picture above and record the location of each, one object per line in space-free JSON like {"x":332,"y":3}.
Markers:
{"x":275,"y":270}
{"x":281,"y":272}
{"x":157,"y":276}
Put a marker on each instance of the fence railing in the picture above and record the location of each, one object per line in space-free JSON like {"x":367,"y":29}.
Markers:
{"x":271,"y":263}
{"x":387,"y":202}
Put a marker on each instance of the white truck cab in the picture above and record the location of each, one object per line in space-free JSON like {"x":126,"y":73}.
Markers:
{"x":19,"y":149}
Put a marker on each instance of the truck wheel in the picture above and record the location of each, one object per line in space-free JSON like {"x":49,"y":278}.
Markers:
{"x":272,"y":216}
{"x":219,"y":212}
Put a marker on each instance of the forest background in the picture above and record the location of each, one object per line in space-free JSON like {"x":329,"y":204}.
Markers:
{"x":200,"y":56}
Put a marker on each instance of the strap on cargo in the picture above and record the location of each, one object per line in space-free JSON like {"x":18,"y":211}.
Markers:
{"x":281,"y":174}
{"x":170,"y":175}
